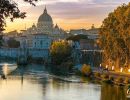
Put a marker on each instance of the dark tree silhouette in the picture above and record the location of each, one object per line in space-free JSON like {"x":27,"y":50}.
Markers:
{"x":12,"y":43}
{"x":9,"y":9}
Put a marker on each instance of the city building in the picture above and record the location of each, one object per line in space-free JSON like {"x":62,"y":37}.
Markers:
{"x":45,"y":26}
{"x":91,"y":33}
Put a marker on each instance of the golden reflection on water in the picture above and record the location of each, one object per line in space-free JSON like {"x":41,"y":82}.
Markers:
{"x":47,"y":90}
{"x":8,"y":68}
{"x":113,"y":92}
{"x":13,"y":90}
{"x":23,"y":88}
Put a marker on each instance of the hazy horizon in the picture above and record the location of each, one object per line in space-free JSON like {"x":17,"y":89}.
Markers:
{"x":68,"y":14}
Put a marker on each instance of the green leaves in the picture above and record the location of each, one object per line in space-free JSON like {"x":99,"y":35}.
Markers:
{"x":60,"y":52}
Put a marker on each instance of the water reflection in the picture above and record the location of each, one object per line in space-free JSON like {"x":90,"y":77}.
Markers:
{"x":38,"y":85}
{"x":8,"y":68}
{"x":113,"y":92}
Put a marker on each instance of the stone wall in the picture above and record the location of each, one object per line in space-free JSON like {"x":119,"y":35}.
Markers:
{"x":15,"y":53}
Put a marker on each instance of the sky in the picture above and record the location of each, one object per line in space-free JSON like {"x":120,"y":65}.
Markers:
{"x":68,"y":14}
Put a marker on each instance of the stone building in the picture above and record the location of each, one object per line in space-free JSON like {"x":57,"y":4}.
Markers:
{"x":45,"y":26}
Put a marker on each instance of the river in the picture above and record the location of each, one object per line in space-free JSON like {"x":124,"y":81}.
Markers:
{"x":34,"y":82}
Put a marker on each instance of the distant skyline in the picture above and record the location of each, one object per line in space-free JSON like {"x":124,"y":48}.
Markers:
{"x":68,"y":14}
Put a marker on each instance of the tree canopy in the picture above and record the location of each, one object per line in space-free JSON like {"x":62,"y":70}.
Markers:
{"x":60,"y":52}
{"x":115,"y":36}
{"x":12,"y":43}
{"x":9,"y":9}
{"x":77,"y":37}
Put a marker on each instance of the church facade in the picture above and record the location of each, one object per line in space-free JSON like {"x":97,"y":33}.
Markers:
{"x":38,"y":38}
{"x":45,"y":26}
{"x":41,"y":35}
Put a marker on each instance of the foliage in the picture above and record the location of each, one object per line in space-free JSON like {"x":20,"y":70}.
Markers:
{"x":9,"y":9}
{"x":66,"y":67}
{"x":120,"y":80}
{"x":115,"y":36}
{"x":86,"y":70}
{"x":105,"y":76}
{"x":77,"y":37}
{"x":111,"y":78}
{"x":1,"y":40}
{"x":97,"y":74}
{"x":60,"y":52}
{"x":12,"y":43}
{"x":127,"y":80}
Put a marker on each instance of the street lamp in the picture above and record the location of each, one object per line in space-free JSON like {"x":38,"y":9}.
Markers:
{"x":121,"y":70}
{"x":113,"y":68}
{"x":100,"y":65}
{"x":128,"y":70}
{"x":106,"y":66}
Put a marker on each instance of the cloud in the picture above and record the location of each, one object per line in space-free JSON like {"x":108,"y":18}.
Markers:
{"x":70,"y":12}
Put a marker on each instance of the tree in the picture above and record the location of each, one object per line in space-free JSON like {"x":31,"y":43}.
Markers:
{"x":9,"y":9}
{"x":60,"y":52}
{"x":1,"y":40}
{"x":86,"y":70}
{"x":77,"y":37}
{"x":12,"y":43}
{"x":115,"y":36}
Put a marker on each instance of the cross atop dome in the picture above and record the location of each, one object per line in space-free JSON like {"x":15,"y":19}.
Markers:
{"x":45,"y":10}
{"x":56,"y":26}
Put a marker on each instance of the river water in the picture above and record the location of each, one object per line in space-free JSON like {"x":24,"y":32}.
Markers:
{"x":34,"y":82}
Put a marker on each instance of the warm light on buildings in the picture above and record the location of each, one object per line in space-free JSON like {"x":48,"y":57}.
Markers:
{"x":5,"y":69}
{"x":100,"y":65}
{"x":121,"y":70}
{"x":106,"y":66}
{"x":128,"y":70}
{"x":113,"y":67}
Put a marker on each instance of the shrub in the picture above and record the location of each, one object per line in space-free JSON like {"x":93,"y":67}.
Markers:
{"x":111,"y":78}
{"x":105,"y":76}
{"x":12,"y":43}
{"x":120,"y":80}
{"x":97,"y":74}
{"x":60,"y":52}
{"x":86,"y":70}
{"x":127,"y":80}
{"x":67,"y":65}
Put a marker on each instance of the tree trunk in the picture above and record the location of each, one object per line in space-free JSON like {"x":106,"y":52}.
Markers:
{"x":127,"y":61}
{"x":117,"y":63}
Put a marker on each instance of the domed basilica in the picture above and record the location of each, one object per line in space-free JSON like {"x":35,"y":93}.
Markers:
{"x":45,"y":26}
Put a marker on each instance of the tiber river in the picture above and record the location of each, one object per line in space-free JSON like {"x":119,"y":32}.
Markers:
{"x":34,"y":82}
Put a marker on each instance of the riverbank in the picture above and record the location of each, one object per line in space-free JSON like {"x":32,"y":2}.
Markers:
{"x":112,"y":77}
{"x":103,"y":75}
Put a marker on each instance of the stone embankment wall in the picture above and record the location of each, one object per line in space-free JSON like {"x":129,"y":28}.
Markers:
{"x":16,"y":52}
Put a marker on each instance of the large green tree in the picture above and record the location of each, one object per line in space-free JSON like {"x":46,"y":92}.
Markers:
{"x":60,"y":52}
{"x":9,"y":9}
{"x":115,"y":36}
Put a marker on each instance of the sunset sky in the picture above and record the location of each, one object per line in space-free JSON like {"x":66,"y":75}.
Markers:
{"x":68,"y":14}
